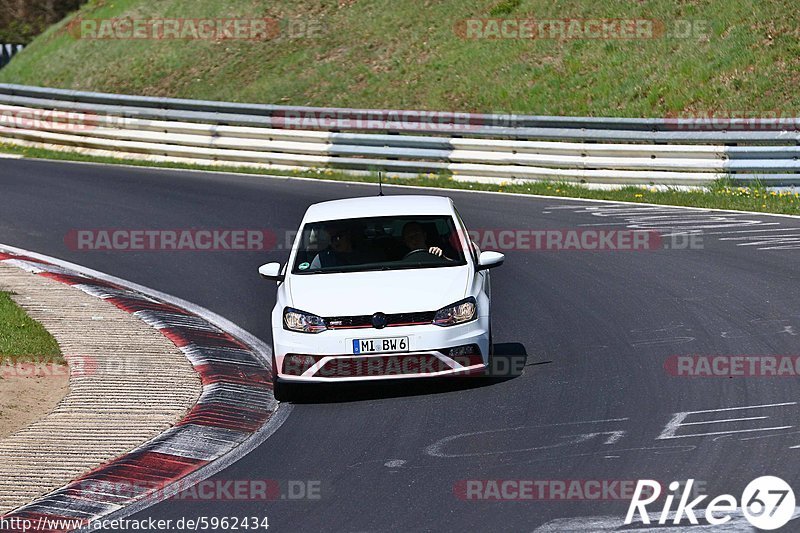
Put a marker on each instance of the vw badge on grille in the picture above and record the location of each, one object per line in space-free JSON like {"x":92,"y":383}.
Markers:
{"x":379,"y":321}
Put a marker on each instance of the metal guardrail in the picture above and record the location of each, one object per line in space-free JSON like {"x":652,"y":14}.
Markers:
{"x":481,"y":147}
{"x":7,"y":51}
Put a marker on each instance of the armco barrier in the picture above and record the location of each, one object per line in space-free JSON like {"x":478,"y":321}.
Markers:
{"x":470,"y":146}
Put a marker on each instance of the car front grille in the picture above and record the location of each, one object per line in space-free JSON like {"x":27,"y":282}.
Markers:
{"x":392,"y":320}
{"x":374,"y":366}
{"x":380,"y":365}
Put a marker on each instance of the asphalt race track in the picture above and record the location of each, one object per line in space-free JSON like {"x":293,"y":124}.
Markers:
{"x":594,"y":401}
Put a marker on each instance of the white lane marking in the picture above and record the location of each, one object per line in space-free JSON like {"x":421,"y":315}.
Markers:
{"x":770,"y":436}
{"x":658,"y":342}
{"x":788,"y":330}
{"x":769,"y":242}
{"x":679,"y":223}
{"x":697,"y":226}
{"x":535,"y":459}
{"x":614,"y":436}
{"x":768,"y":239}
{"x":436,"y":449}
{"x":762,"y":230}
{"x":675,"y":223}
{"x":768,"y":320}
{"x":668,"y":327}
{"x":788,"y":247}
{"x":725,"y":420}
{"x":627,"y":210}
{"x":729,"y":335}
{"x":776,"y":428}
{"x":656,"y":332}
{"x":680,"y":232}
{"x":681,"y":218}
{"x":671,"y":429}
{"x":684,"y":225}
{"x":261,"y":349}
{"x":746,"y":407}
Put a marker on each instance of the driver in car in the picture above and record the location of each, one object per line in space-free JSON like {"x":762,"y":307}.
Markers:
{"x":415,"y":239}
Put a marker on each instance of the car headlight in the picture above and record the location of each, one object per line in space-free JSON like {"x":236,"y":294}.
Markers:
{"x":295,"y":320}
{"x":457,"y":313}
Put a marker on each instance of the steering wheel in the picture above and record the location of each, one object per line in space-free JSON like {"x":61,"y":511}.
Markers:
{"x":417,"y":251}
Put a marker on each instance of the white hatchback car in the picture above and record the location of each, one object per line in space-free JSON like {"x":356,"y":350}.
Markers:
{"x":381,"y":288}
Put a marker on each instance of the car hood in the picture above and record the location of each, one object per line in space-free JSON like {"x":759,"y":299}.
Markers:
{"x":365,"y":293}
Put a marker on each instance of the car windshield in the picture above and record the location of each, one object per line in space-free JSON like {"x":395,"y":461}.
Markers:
{"x":378,"y":243}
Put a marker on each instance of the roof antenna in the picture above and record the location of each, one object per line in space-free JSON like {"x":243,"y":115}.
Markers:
{"x":380,"y":183}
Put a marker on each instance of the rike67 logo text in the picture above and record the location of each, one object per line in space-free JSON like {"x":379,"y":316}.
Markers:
{"x":767,"y":503}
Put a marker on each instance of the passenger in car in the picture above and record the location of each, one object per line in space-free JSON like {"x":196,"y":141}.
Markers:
{"x":340,"y":251}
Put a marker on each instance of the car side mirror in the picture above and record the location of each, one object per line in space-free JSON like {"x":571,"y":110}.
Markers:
{"x":489,"y":260}
{"x":271,"y":271}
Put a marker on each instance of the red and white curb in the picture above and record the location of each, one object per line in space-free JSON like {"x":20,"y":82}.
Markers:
{"x":235,"y":413}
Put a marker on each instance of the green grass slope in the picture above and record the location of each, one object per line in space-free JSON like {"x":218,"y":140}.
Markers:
{"x":22,"y":338}
{"x":745,"y":58}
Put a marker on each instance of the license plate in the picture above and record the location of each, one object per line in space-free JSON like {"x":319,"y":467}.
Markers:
{"x":389,"y":344}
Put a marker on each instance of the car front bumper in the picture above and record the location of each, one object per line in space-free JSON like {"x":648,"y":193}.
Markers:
{"x":432,"y":351}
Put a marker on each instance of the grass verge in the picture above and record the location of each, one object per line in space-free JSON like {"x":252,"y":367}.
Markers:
{"x":702,"y":56}
{"x":22,"y":338}
{"x":722,"y":194}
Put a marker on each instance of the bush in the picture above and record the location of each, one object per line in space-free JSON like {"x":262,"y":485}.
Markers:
{"x":22,"y":20}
